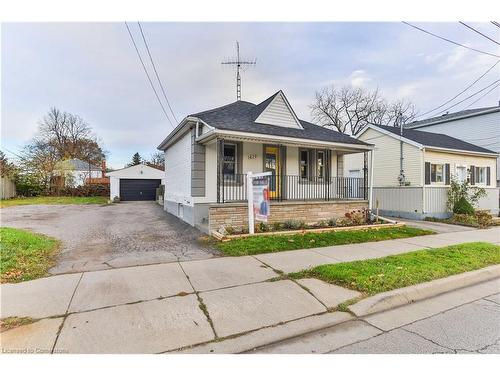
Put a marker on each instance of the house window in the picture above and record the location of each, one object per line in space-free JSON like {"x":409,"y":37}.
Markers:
{"x":437,"y":173}
{"x":480,"y":175}
{"x":304,"y":164}
{"x":229,"y":161}
{"x":320,"y":165}
{"x":461,"y":173}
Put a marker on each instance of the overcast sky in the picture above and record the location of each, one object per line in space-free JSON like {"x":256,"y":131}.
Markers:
{"x":91,"y":69}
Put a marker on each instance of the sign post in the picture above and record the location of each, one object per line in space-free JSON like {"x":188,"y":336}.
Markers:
{"x":258,"y":198}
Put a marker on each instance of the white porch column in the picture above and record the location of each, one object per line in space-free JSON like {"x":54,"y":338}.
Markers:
{"x":372,"y":157}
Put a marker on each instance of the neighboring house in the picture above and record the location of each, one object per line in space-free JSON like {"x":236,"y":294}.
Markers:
{"x":208,"y":155}
{"x":136,"y":183}
{"x":430,"y":160}
{"x":479,"y":126}
{"x":75,"y":172}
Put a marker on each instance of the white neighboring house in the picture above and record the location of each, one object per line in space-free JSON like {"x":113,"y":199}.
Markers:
{"x":479,"y":126}
{"x":430,"y":160}
{"x":209,"y":154}
{"x":75,"y":172}
{"x":135,"y":183}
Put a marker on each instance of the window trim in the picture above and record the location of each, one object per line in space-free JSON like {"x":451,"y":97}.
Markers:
{"x":435,"y":182}
{"x":235,"y":159}
{"x":308,"y":164}
{"x":323,"y":165}
{"x":476,"y":176}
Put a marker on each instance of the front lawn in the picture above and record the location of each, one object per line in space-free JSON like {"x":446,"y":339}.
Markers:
{"x":52,"y":200}
{"x":25,"y":255}
{"x":274,"y":243}
{"x":378,"y":275}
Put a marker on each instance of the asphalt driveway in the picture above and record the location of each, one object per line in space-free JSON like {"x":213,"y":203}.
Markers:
{"x":99,"y":237}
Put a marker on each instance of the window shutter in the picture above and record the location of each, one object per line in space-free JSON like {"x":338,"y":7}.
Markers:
{"x":239,"y":158}
{"x":472,"y":175}
{"x":427,"y":173}
{"x":488,"y":176}
{"x":446,"y":174}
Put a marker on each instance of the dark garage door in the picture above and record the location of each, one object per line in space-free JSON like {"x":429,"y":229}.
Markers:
{"x":138,"y":190}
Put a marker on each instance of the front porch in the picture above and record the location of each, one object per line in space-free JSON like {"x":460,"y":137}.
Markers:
{"x":300,"y":173}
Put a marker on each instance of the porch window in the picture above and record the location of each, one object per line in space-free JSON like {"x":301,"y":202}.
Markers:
{"x":229,"y":161}
{"x":480,"y":175}
{"x":437,"y":173}
{"x":304,"y":164}
{"x":320,"y":165}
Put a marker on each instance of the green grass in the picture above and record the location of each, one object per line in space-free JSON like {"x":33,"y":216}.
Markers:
{"x":25,"y":255}
{"x":274,"y":243}
{"x":382,"y":274}
{"x":52,"y":200}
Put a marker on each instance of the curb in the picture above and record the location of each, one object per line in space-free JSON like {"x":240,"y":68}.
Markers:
{"x":269,"y":335}
{"x":404,"y":296}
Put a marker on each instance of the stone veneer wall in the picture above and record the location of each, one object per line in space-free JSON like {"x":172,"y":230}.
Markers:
{"x":235,"y":214}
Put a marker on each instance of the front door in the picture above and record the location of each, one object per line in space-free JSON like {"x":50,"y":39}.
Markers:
{"x":272,"y":164}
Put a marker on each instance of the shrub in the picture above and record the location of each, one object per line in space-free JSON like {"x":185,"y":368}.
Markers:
{"x":28,"y":185}
{"x":263,"y":227}
{"x":332,"y":222}
{"x":277,"y":226}
{"x":465,"y":190}
{"x":484,"y":219}
{"x":464,"y":219}
{"x":357,"y":217}
{"x":343,"y":222}
{"x":462,"y":206}
{"x":294,"y":224}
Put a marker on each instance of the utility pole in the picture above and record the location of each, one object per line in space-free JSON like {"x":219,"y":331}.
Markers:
{"x":239,"y":63}
{"x":401,"y":177}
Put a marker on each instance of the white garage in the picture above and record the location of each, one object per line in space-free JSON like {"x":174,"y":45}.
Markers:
{"x":136,"y":183}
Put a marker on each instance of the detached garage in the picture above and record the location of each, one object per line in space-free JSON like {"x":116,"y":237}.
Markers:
{"x":136,"y":183}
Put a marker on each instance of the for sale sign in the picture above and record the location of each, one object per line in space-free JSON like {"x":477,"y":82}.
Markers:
{"x":260,"y":192}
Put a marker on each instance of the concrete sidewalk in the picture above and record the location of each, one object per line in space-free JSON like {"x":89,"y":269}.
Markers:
{"x":164,"y":307}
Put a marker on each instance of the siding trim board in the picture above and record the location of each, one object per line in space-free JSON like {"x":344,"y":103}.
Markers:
{"x":198,"y":160}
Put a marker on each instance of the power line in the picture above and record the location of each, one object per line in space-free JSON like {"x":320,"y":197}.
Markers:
{"x":496,"y":23}
{"x":156,"y":72}
{"x":482,"y":96}
{"x":147,"y":74}
{"x":461,"y":92}
{"x":470,"y":96}
{"x":479,"y":32}
{"x":449,"y":40}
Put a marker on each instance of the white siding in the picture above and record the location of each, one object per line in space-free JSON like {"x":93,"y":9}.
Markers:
{"x":398,"y":199}
{"x":138,"y":172}
{"x":483,"y":130}
{"x":456,"y":160}
{"x":386,"y":168}
{"x":277,"y":113}
{"x":178,"y":171}
{"x":436,"y":197}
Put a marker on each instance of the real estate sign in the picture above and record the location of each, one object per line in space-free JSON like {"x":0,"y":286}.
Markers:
{"x":260,"y":192}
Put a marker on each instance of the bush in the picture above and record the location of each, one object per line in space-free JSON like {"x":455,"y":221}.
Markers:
{"x":464,"y":219}
{"x":343,"y":222}
{"x":463,"y":207}
{"x":357,"y":217}
{"x":459,"y":190}
{"x":263,"y":227}
{"x":484,"y":219}
{"x":277,"y":226}
{"x":93,"y":190}
{"x":294,"y":224}
{"x":28,"y":186}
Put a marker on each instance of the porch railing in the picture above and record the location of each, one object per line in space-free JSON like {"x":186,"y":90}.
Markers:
{"x":233,"y":188}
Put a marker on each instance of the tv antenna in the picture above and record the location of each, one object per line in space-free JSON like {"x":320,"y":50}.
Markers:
{"x":239,"y":64}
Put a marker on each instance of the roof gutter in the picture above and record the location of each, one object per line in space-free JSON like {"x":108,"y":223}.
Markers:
{"x":457,"y":151}
{"x":263,"y":137}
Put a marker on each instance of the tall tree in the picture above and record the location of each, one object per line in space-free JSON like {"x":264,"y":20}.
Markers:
{"x":349,"y":110}
{"x":136,"y":160}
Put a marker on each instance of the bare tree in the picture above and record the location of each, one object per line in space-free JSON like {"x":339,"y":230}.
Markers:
{"x":157,"y":159}
{"x":349,"y":110}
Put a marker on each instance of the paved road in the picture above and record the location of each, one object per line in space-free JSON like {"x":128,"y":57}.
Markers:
{"x":101,"y":237}
{"x":431,"y":326}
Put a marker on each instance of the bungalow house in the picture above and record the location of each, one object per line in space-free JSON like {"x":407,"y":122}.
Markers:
{"x":412,"y":171}
{"x":208,"y":155}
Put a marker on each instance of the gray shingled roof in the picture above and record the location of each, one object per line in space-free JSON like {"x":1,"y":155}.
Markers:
{"x":436,"y":140}
{"x":241,"y":116}
{"x":450,"y":116}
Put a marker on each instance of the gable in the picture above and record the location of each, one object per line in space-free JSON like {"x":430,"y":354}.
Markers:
{"x":279,"y":113}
